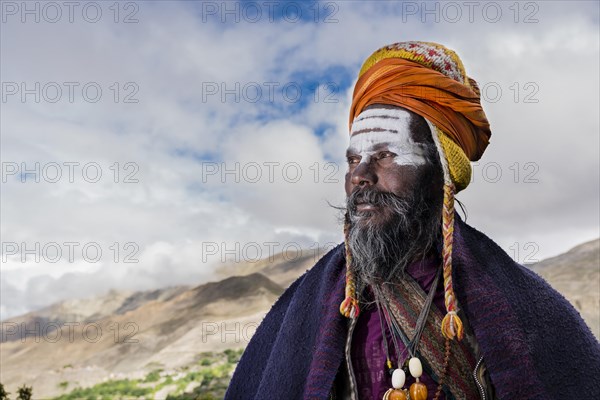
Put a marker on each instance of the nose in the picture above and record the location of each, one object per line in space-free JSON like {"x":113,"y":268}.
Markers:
{"x":363,"y":175}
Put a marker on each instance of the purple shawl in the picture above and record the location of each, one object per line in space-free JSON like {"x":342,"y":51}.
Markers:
{"x":535,"y":344}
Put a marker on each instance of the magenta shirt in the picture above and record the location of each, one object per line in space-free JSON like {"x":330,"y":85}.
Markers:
{"x":368,"y":353}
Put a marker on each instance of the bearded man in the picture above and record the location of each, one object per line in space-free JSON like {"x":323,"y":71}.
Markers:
{"x":416,"y":304}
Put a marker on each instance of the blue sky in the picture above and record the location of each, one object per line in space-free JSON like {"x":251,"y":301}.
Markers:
{"x":208,"y":144}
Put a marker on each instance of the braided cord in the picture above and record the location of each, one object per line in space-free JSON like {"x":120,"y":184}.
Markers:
{"x":451,"y":324}
{"x":349,"y":307}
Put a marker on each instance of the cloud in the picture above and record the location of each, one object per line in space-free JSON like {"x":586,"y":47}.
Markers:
{"x":179,"y":99}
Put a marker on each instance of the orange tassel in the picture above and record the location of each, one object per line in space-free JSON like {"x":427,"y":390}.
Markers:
{"x":452,"y":326}
{"x":349,"y":308}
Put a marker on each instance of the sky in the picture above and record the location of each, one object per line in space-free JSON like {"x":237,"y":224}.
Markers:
{"x":147,"y":144}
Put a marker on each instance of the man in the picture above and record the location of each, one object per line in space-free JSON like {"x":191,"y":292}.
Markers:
{"x":416,"y":303}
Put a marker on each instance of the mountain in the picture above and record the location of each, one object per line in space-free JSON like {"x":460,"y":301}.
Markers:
{"x":129,"y":335}
{"x":83,"y":311}
{"x":282,"y":268}
{"x":170,"y":333}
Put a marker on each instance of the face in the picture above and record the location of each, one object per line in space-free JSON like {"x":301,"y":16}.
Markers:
{"x":394,"y":188}
{"x":388,"y":153}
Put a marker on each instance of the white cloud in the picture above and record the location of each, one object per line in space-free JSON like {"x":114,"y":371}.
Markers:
{"x":171,"y":56}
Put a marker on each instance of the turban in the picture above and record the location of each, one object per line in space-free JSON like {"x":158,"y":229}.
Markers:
{"x":430,"y":80}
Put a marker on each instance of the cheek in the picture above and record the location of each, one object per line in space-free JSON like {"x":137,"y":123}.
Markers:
{"x":399,"y":179}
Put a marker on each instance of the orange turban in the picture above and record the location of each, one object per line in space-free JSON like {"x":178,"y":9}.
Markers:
{"x":428,"y":79}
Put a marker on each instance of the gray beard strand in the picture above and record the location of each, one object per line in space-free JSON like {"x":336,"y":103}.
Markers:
{"x":381,"y":253}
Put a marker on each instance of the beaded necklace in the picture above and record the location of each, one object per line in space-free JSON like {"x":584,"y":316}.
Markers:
{"x":412,"y":364}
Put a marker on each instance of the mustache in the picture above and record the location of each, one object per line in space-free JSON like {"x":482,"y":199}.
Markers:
{"x":374,"y":197}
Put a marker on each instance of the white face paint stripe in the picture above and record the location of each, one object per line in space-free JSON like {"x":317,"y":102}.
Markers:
{"x":394,"y":119}
{"x":407,"y":151}
{"x":387,"y":112}
{"x":362,"y":141}
{"x":393,"y":125}
{"x":392,"y":128}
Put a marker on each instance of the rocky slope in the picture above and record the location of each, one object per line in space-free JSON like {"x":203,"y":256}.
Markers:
{"x":131,"y":335}
{"x":80,"y":343}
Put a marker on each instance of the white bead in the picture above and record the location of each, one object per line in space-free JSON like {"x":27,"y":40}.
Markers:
{"x":398,"y":378}
{"x":415,"y":367}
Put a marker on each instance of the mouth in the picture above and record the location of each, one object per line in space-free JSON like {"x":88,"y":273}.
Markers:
{"x":365,"y":207}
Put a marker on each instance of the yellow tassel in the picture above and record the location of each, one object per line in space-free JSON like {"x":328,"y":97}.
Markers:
{"x":452,"y":326}
{"x":349,"y":308}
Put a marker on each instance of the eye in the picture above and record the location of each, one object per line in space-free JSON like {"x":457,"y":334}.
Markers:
{"x":353,"y":160}
{"x":385,"y":154}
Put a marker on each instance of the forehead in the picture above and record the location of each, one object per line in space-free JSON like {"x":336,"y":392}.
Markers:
{"x":376,"y":127}
{"x":391,"y":120}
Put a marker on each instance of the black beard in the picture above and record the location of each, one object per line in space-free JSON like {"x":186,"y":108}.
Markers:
{"x":383,"y":242}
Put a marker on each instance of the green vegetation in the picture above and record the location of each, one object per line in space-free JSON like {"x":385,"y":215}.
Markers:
{"x":109,"y":390}
{"x":25,"y":392}
{"x":205,"y":380}
{"x":3,"y":393}
{"x":233,"y":356}
{"x":153,"y":376}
